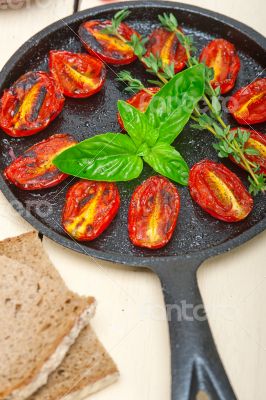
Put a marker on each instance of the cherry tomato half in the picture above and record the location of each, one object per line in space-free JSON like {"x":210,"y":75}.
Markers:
{"x":79,"y":75}
{"x":141,"y":100}
{"x":30,"y":104}
{"x":153,"y":213}
{"x":105,"y":46}
{"x":90,"y":208}
{"x":166,"y":45}
{"x":256,"y":141}
{"x":248,"y":104}
{"x":34,"y":169}
{"x":219,"y":191}
{"x":221,"y":55}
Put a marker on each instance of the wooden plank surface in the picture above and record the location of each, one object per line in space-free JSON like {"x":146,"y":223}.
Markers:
{"x":232,"y":285}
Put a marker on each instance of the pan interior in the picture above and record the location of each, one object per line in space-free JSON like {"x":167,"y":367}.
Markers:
{"x":196,"y":230}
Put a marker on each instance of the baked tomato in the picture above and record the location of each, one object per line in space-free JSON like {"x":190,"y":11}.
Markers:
{"x":30,"y":104}
{"x":256,"y":141}
{"x":248,"y":104}
{"x":90,"y":208}
{"x":34,"y":169}
{"x":166,"y":45}
{"x":141,"y":100}
{"x":107,"y":47}
{"x":219,"y":191}
{"x":153,"y":213}
{"x":79,"y":75}
{"x":221,"y":55}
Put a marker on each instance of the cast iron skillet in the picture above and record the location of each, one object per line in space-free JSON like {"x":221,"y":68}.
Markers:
{"x":195,"y":362}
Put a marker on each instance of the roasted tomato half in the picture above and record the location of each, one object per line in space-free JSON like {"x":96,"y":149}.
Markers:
{"x":107,"y":47}
{"x":34,"y":169}
{"x":256,"y":141}
{"x":90,"y":208}
{"x":221,"y":55}
{"x":141,"y":100}
{"x":248,"y":104}
{"x":30,"y":104}
{"x":79,"y":75}
{"x":219,"y":191}
{"x":153,"y":213}
{"x":166,"y":45}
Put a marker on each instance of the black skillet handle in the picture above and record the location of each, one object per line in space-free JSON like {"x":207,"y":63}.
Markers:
{"x":196,"y":365}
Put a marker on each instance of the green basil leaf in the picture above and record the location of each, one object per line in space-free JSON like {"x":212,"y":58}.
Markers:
{"x":167,"y":161}
{"x":137,"y":125}
{"x":171,"y":108}
{"x":109,"y":157}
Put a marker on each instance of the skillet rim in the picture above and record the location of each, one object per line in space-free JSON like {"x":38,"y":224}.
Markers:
{"x":140,"y":261}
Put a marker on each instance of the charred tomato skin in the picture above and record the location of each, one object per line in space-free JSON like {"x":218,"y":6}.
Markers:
{"x":167,"y":46}
{"x":34,"y":170}
{"x":79,"y":75}
{"x":153,"y":213}
{"x":89,"y":209}
{"x":248,"y":104}
{"x":219,"y":192}
{"x":221,"y":55}
{"x":30,"y":104}
{"x":104,"y":46}
{"x":256,"y":141}
{"x":140,"y":100}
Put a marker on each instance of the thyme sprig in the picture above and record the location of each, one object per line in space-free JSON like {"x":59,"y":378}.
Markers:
{"x":138,"y":45}
{"x":169,"y":22}
{"x":132,"y":84}
{"x":229,"y":143}
{"x":259,"y":186}
{"x":119,"y":17}
{"x":153,"y":63}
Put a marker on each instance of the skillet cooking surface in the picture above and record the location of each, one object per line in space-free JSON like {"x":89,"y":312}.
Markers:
{"x":196,"y":231}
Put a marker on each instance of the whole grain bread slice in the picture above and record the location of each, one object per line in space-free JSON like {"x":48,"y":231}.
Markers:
{"x":40,"y":320}
{"x":28,"y":249}
{"x":86,"y":369}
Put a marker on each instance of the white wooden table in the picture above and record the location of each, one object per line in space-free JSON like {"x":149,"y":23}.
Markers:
{"x":233,"y":285}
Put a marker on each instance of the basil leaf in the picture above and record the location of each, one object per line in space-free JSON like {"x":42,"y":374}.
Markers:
{"x":109,"y":157}
{"x":167,"y":161}
{"x":137,"y":124}
{"x":171,"y":108}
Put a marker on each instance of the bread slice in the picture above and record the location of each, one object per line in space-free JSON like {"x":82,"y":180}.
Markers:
{"x":40,"y":320}
{"x":86,"y":369}
{"x":28,"y":249}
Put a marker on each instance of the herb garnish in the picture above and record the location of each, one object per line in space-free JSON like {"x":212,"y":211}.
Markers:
{"x":119,"y":17}
{"x":228,"y":143}
{"x":133,"y":85}
{"x":119,"y":157}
